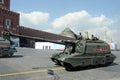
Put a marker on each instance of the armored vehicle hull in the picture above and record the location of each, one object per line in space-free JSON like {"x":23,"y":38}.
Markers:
{"x":6,"y":50}
{"x":78,"y":61}
{"x":85,"y":53}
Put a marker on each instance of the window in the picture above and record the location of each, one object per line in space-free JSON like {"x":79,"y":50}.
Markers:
{"x":8,"y":23}
{"x":2,"y":1}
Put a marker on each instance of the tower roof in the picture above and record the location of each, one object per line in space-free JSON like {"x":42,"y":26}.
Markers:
{"x":68,"y":33}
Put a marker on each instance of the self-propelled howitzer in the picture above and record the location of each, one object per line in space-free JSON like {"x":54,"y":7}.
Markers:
{"x":7,"y":47}
{"x":81,"y":52}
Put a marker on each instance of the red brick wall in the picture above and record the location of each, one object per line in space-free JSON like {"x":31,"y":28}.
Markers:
{"x":5,"y":4}
{"x":13,"y":16}
{"x":38,"y":33}
{"x":42,"y":34}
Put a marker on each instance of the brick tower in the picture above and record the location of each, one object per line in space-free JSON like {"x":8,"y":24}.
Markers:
{"x":5,"y":4}
{"x":8,"y":19}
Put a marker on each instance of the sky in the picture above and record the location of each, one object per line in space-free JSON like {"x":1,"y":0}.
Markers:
{"x":98,"y":17}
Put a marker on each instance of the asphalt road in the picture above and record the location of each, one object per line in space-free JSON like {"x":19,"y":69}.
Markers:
{"x":31,"y":64}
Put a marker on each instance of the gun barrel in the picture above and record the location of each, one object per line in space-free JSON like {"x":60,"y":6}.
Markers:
{"x":7,"y":34}
{"x":37,"y":39}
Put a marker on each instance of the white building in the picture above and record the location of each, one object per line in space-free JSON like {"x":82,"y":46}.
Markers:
{"x":48,"y":45}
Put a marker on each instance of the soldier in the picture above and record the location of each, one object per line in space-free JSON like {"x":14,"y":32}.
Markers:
{"x":69,"y":49}
{"x":94,"y":38}
{"x":79,"y":37}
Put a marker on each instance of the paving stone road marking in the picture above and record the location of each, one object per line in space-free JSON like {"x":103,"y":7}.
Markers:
{"x":118,"y":61}
{"x":37,"y":71}
{"x":30,"y":72}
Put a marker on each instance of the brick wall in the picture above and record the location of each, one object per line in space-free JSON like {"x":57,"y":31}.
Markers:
{"x":5,"y":4}
{"x":12,"y":16}
{"x":42,"y":34}
{"x":37,"y":33}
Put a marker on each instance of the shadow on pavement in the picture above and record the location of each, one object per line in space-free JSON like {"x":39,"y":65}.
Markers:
{"x":91,"y":67}
{"x":14,"y":56}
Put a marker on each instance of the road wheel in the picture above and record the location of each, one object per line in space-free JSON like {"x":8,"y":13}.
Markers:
{"x":10,"y":55}
{"x":109,"y":63}
{"x":58,"y":63}
{"x":68,"y":67}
